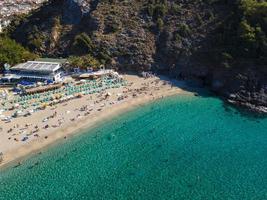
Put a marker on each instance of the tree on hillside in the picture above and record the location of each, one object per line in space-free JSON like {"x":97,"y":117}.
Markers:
{"x":13,"y":53}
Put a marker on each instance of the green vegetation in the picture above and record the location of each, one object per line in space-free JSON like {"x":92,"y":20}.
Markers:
{"x":35,"y":39}
{"x":160,"y":24}
{"x":82,"y":45}
{"x":90,"y":55}
{"x":84,"y":62}
{"x":184,"y":30}
{"x":157,"y":9}
{"x":235,"y":30}
{"x":243,"y":35}
{"x":253,"y":28}
{"x":111,"y":24}
{"x":175,"y":9}
{"x":13,"y":53}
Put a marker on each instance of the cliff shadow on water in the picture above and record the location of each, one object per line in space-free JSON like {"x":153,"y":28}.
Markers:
{"x":201,"y":91}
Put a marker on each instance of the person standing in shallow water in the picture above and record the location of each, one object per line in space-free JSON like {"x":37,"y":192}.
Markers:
{"x":1,"y":157}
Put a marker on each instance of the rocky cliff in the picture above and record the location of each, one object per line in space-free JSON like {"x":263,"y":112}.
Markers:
{"x":207,"y":41}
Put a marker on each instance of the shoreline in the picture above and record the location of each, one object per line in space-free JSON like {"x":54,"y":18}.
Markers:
{"x":35,"y":146}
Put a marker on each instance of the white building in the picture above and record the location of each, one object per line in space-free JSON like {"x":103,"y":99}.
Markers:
{"x":34,"y":71}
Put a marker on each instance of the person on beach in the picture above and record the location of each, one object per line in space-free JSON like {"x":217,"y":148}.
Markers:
{"x":1,"y":157}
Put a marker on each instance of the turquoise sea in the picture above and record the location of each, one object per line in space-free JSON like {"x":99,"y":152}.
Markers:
{"x":182,"y":147}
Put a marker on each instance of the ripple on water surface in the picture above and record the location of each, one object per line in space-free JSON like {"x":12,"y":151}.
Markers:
{"x":182,"y":147}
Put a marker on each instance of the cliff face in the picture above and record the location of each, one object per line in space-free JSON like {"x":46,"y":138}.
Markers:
{"x":50,"y":29}
{"x":179,"y":38}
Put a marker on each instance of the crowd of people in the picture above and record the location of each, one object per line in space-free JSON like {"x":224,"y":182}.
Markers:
{"x":56,"y":117}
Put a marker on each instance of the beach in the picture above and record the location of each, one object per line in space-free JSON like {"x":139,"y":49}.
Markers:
{"x":63,"y":120}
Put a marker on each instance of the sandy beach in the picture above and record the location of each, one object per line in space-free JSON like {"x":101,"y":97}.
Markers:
{"x":60,"y":121}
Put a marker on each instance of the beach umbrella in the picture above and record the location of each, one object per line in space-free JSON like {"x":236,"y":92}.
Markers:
{"x":44,"y":105}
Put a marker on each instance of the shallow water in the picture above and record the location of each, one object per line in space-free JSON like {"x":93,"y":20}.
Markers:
{"x":183,"y":147}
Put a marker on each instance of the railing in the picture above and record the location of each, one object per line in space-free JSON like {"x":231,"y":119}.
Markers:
{"x":38,"y":74}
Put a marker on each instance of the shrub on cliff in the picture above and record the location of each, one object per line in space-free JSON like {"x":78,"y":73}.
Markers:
{"x":82,"y":45}
{"x":244,"y":32}
{"x":13,"y":53}
{"x":157,"y":9}
{"x":84,"y":62}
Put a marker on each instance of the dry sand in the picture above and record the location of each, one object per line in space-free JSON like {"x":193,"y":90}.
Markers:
{"x":15,"y":150}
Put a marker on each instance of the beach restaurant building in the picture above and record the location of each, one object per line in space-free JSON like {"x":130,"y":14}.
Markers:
{"x":34,"y":71}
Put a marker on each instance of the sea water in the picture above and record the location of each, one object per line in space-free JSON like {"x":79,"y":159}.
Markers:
{"x":183,"y":147}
